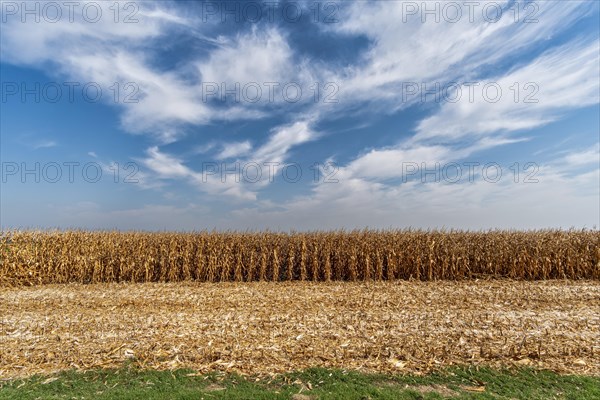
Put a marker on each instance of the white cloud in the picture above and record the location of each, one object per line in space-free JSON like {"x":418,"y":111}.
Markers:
{"x":282,"y":139}
{"x":260,"y":70}
{"x":161,"y":102}
{"x":358,"y":203}
{"x":404,"y":49}
{"x":582,"y":158}
{"x":213,"y":180}
{"x":44,"y":144}
{"x":561,"y":79}
{"x":394,"y":162}
{"x":159,"y":98}
{"x":169,"y":99}
{"x":204,"y":148}
{"x":209,"y":180}
{"x":236,"y":149}
{"x":35,"y":142}
{"x":165,"y":165}
{"x":32,"y":42}
{"x":259,"y":56}
{"x":108,"y":53}
{"x":389,"y":163}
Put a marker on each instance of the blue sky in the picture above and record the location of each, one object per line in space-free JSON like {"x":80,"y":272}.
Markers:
{"x":300,"y":115}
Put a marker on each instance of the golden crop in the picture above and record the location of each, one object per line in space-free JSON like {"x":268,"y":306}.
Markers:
{"x":31,"y":258}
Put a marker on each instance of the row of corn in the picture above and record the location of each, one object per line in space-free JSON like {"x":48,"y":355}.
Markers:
{"x":44,"y":257}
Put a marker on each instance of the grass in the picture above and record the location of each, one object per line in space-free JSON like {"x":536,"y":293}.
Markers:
{"x":317,"y":383}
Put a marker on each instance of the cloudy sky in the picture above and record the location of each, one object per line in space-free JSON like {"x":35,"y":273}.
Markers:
{"x":300,"y":114}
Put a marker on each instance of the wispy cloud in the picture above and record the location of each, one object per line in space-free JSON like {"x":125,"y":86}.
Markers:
{"x":357,"y":202}
{"x":587,"y":157}
{"x":157,"y":101}
{"x":272,"y":154}
{"x":283,"y":139}
{"x":532,"y":95}
{"x":553,"y":78}
{"x":35,"y":142}
{"x":405,"y":49}
{"x":236,"y":149}
{"x":44,"y":144}
{"x":258,"y":56}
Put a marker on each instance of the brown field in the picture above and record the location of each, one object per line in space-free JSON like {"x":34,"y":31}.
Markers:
{"x":32,"y":258}
{"x":267,"y":328}
{"x":388,"y":301}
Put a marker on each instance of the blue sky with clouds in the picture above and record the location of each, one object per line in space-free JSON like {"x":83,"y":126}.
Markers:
{"x":300,"y":114}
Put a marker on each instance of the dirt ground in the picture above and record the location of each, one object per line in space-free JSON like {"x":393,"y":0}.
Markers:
{"x":267,"y":328}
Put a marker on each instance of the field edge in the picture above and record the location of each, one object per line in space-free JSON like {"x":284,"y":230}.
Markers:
{"x":314,"y":383}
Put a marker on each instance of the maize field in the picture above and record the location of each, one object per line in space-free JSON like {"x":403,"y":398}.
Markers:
{"x":269,"y":328}
{"x":49,"y":257}
{"x":405,"y":301}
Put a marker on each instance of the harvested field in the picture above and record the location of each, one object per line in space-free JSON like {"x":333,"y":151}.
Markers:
{"x":264,"y":328}
{"x":33,"y":258}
